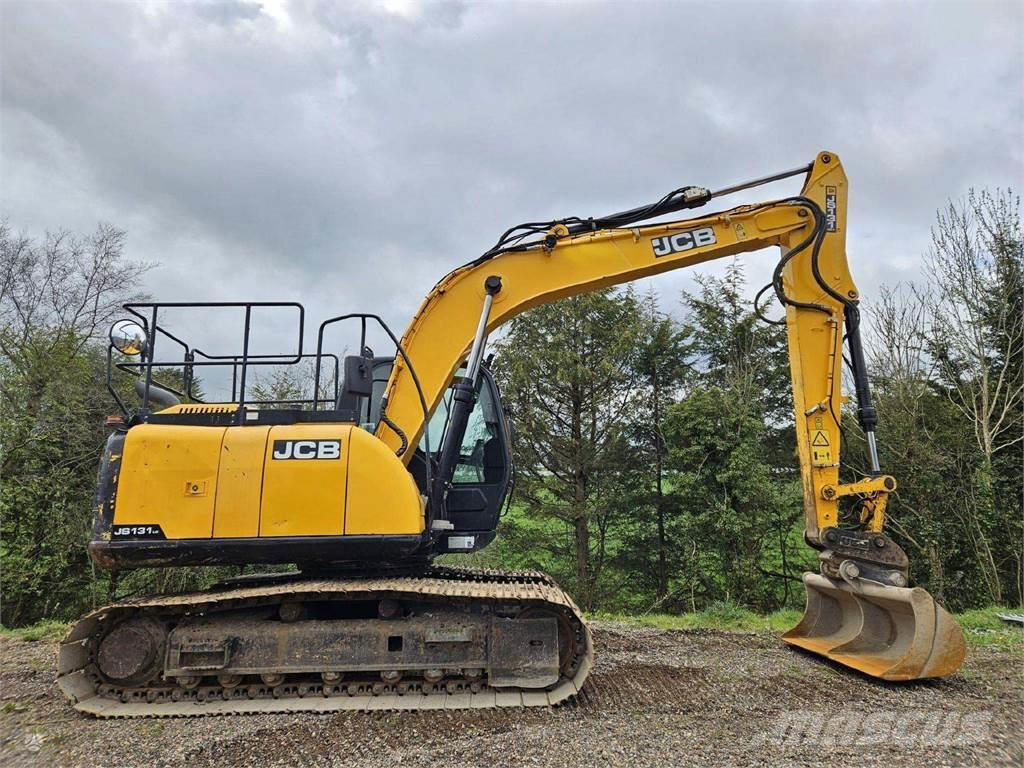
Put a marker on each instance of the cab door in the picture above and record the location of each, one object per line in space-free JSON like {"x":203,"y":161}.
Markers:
{"x":483,"y":473}
{"x":481,"y":478}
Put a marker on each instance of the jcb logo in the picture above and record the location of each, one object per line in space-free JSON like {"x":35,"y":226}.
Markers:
{"x":683,"y":241}
{"x":831,"y":210}
{"x":307,"y":449}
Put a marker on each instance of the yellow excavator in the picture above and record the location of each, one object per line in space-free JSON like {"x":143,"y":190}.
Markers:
{"x":394,"y":460}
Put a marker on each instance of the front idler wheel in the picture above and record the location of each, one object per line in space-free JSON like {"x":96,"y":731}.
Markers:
{"x":132,"y":653}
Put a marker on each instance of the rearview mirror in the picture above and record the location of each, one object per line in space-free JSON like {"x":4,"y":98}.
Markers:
{"x":358,"y":378}
{"x":128,"y":337}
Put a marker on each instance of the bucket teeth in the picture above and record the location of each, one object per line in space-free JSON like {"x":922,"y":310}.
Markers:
{"x":893,"y":633}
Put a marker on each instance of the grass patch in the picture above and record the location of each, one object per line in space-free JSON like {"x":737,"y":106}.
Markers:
{"x":982,"y":627}
{"x":719,"y":615}
{"x":49,"y":629}
{"x":985,"y":618}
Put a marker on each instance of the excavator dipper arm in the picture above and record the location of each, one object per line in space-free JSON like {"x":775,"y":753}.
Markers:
{"x":860,"y":611}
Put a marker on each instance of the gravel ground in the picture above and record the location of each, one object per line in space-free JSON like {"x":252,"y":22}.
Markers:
{"x":655,"y":698}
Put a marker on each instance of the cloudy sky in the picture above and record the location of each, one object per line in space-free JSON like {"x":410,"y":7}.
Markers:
{"x":347,"y":154}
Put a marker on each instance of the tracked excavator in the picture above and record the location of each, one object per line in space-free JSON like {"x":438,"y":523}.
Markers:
{"x":394,"y":460}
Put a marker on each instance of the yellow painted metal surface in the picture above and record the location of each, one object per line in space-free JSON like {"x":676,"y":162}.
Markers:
{"x":236,"y":512}
{"x":168,"y":475}
{"x":194,"y":408}
{"x":382,"y":496}
{"x":308,"y":497}
{"x":303,"y":491}
{"x":198,"y":482}
{"x":439,"y":336}
{"x":815,"y":341}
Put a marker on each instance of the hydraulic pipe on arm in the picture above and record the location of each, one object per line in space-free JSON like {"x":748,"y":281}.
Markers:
{"x":858,"y":608}
{"x":464,"y":394}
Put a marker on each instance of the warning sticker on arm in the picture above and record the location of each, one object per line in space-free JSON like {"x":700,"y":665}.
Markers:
{"x":821,"y":448}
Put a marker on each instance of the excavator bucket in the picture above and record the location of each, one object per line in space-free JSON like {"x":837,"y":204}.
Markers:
{"x":893,"y":633}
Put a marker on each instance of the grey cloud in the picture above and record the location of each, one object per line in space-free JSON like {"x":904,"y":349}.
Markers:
{"x":348,"y":155}
{"x":227,"y":13}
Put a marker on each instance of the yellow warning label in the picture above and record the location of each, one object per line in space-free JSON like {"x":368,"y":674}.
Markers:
{"x":821,"y":449}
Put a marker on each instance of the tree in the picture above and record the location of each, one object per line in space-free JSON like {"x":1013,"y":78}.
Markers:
{"x":734,"y":349}
{"x":56,"y":297}
{"x":286,"y":386}
{"x":661,"y":367}
{"x":730,"y":450}
{"x":924,"y":441}
{"x":976,"y":336}
{"x":723,"y":484}
{"x":565,"y":371}
{"x":66,"y":286}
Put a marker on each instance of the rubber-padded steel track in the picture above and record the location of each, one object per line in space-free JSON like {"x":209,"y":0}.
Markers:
{"x":80,"y":680}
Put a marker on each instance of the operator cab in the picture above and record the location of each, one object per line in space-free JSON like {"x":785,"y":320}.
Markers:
{"x":482,"y":476}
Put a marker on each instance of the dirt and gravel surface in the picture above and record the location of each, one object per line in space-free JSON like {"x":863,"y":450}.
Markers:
{"x":655,"y":698}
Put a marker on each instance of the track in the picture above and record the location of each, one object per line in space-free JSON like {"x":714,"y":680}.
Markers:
{"x":81,"y":681}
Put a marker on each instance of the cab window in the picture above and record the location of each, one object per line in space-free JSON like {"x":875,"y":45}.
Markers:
{"x":482,"y":454}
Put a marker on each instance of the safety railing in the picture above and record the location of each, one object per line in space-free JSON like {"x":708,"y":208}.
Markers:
{"x":166,"y":355}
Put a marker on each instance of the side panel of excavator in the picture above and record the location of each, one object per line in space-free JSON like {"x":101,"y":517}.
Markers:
{"x":187,"y":494}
